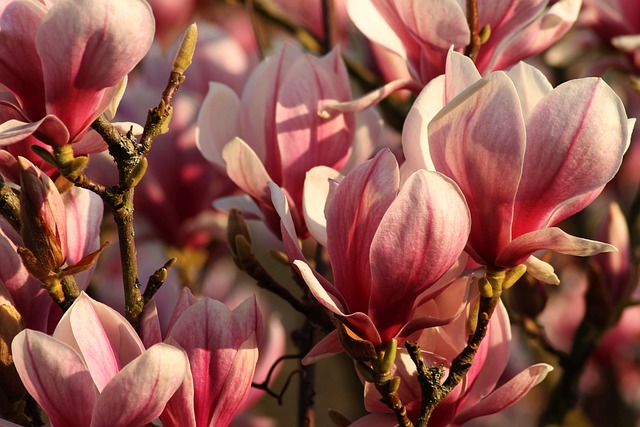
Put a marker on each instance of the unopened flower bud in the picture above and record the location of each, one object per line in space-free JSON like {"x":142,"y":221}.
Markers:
{"x":614,"y":268}
{"x":186,"y":50}
{"x":42,"y":215}
{"x":237,"y":227}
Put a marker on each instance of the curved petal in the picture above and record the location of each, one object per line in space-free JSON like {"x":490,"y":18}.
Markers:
{"x":541,"y":270}
{"x":179,"y":409}
{"x":552,"y":239}
{"x":139,"y":393}
{"x":49,"y":129}
{"x":478,"y":140}
{"x":76,"y":39}
{"x":316,"y":191}
{"x":246,"y":170}
{"x":321,"y":289}
{"x":304,"y":138}
{"x":237,"y":384}
{"x":55,"y":375}
{"x":506,"y":395}
{"x":80,"y":328}
{"x":579,"y":132}
{"x":353,"y":216}
{"x":31,"y":300}
{"x":439,"y":23}
{"x":370,"y":99}
{"x":217,"y":122}
{"x":250,"y":318}
{"x":531,"y":85}
{"x":150,"y":332}
{"x":259,"y":99}
{"x":428,"y":223}
{"x":212,"y":350}
{"x":542,"y":32}
{"x":120,"y":336}
{"x":505,"y":18}
{"x":415,"y":137}
{"x":20,"y":67}
{"x":373,"y":24}
{"x":83,"y":216}
{"x":326,"y":347}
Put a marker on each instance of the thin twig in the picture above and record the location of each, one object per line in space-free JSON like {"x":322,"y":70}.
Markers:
{"x":329,"y":24}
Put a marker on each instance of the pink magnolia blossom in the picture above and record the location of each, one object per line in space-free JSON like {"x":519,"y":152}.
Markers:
{"x":94,"y":370}
{"x":421,"y":31}
{"x":616,"y":22}
{"x":73,"y":217}
{"x":477,"y":395}
{"x":222,"y":352}
{"x":271,"y":346}
{"x":390,"y":246}
{"x":63,"y":62}
{"x":525,"y":155}
{"x":277,"y":116}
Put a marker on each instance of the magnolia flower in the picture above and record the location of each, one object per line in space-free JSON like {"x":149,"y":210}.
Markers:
{"x":616,"y":22}
{"x":277,"y":116}
{"x":477,"y":395}
{"x":525,"y":155}
{"x":421,"y":31}
{"x":64,"y":61}
{"x":94,"y":370}
{"x":59,"y":231}
{"x":390,"y":246}
{"x":222,"y":353}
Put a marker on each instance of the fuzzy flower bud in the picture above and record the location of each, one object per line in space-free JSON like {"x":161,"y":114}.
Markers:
{"x":42,"y":214}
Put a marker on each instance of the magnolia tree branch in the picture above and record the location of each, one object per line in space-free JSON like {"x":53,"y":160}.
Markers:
{"x":129,"y":156}
{"x":239,"y":240}
{"x":432,"y":389}
{"x":329,"y":24}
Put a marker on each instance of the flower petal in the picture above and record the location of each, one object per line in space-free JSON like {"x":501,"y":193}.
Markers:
{"x":304,"y":138}
{"x":531,"y":85}
{"x":506,"y":395}
{"x":552,"y":239}
{"x":55,"y":375}
{"x":316,"y":191}
{"x":76,"y":39}
{"x":80,"y":328}
{"x":49,"y":129}
{"x":485,"y":161}
{"x":246,"y":170}
{"x":579,"y":132}
{"x":217,"y":122}
{"x":20,"y":69}
{"x":139,"y":393}
{"x":541,"y":270}
{"x":419,"y":238}
{"x":353,"y":215}
{"x":105,"y":334}
{"x":326,"y":347}
{"x":237,"y":383}
{"x":212,"y":349}
{"x":83,"y":216}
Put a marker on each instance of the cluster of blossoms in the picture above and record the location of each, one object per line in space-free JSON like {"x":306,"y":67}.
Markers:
{"x":415,"y":228}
